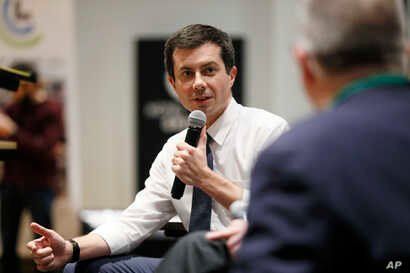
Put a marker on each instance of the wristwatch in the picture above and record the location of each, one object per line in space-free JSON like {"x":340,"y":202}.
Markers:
{"x":76,"y":251}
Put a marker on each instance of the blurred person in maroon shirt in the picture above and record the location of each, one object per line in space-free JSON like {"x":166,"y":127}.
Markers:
{"x":36,"y":124}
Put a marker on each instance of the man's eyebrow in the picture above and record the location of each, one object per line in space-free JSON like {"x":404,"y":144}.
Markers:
{"x":202,"y":65}
{"x":184,"y":68}
{"x":209,"y":63}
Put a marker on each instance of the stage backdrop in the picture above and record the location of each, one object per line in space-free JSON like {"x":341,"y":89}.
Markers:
{"x":159,"y":113}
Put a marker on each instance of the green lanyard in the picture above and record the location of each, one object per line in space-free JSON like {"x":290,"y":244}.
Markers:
{"x":369,"y":83}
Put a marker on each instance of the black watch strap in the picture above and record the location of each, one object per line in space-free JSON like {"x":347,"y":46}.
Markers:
{"x":76,"y":251}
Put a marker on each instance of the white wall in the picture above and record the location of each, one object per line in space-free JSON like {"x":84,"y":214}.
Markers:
{"x":289,"y":100}
{"x":106,"y":32}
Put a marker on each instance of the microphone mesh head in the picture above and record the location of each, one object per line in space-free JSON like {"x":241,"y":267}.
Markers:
{"x":196,"y":119}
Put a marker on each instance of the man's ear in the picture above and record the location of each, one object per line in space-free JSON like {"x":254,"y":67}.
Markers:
{"x":232,"y":75}
{"x":171,"y":81}
{"x":303,"y":60}
{"x":313,"y":76}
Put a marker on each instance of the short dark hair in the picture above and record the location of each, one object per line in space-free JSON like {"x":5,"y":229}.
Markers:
{"x":193,"y":36}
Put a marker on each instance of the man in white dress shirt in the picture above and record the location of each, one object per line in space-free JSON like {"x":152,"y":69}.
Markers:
{"x":199,"y":60}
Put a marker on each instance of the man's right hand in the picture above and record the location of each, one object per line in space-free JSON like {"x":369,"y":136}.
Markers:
{"x":50,"y":251}
{"x":233,"y":235}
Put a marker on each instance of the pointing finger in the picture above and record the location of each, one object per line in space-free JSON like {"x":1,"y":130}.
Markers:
{"x":40,"y":230}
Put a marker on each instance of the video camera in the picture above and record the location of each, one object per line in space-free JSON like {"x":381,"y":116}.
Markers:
{"x":10,"y":78}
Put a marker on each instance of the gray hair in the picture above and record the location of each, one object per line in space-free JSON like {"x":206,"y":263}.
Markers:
{"x":343,"y":34}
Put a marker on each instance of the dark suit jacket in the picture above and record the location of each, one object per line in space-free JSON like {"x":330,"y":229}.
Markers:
{"x":333,"y":194}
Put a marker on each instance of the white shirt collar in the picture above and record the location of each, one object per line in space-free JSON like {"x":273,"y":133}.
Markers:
{"x":220,"y":128}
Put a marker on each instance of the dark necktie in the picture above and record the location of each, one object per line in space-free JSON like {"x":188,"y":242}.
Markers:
{"x":201,"y":202}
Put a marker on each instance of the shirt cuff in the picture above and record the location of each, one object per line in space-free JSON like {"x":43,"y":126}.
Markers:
{"x":115,"y":241}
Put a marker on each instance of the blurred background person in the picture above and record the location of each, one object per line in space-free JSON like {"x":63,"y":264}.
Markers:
{"x":36,"y":124}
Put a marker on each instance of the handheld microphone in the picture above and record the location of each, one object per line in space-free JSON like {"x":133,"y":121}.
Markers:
{"x":196,"y":121}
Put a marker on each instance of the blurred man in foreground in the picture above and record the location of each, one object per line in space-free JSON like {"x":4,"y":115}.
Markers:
{"x":333,"y":195}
